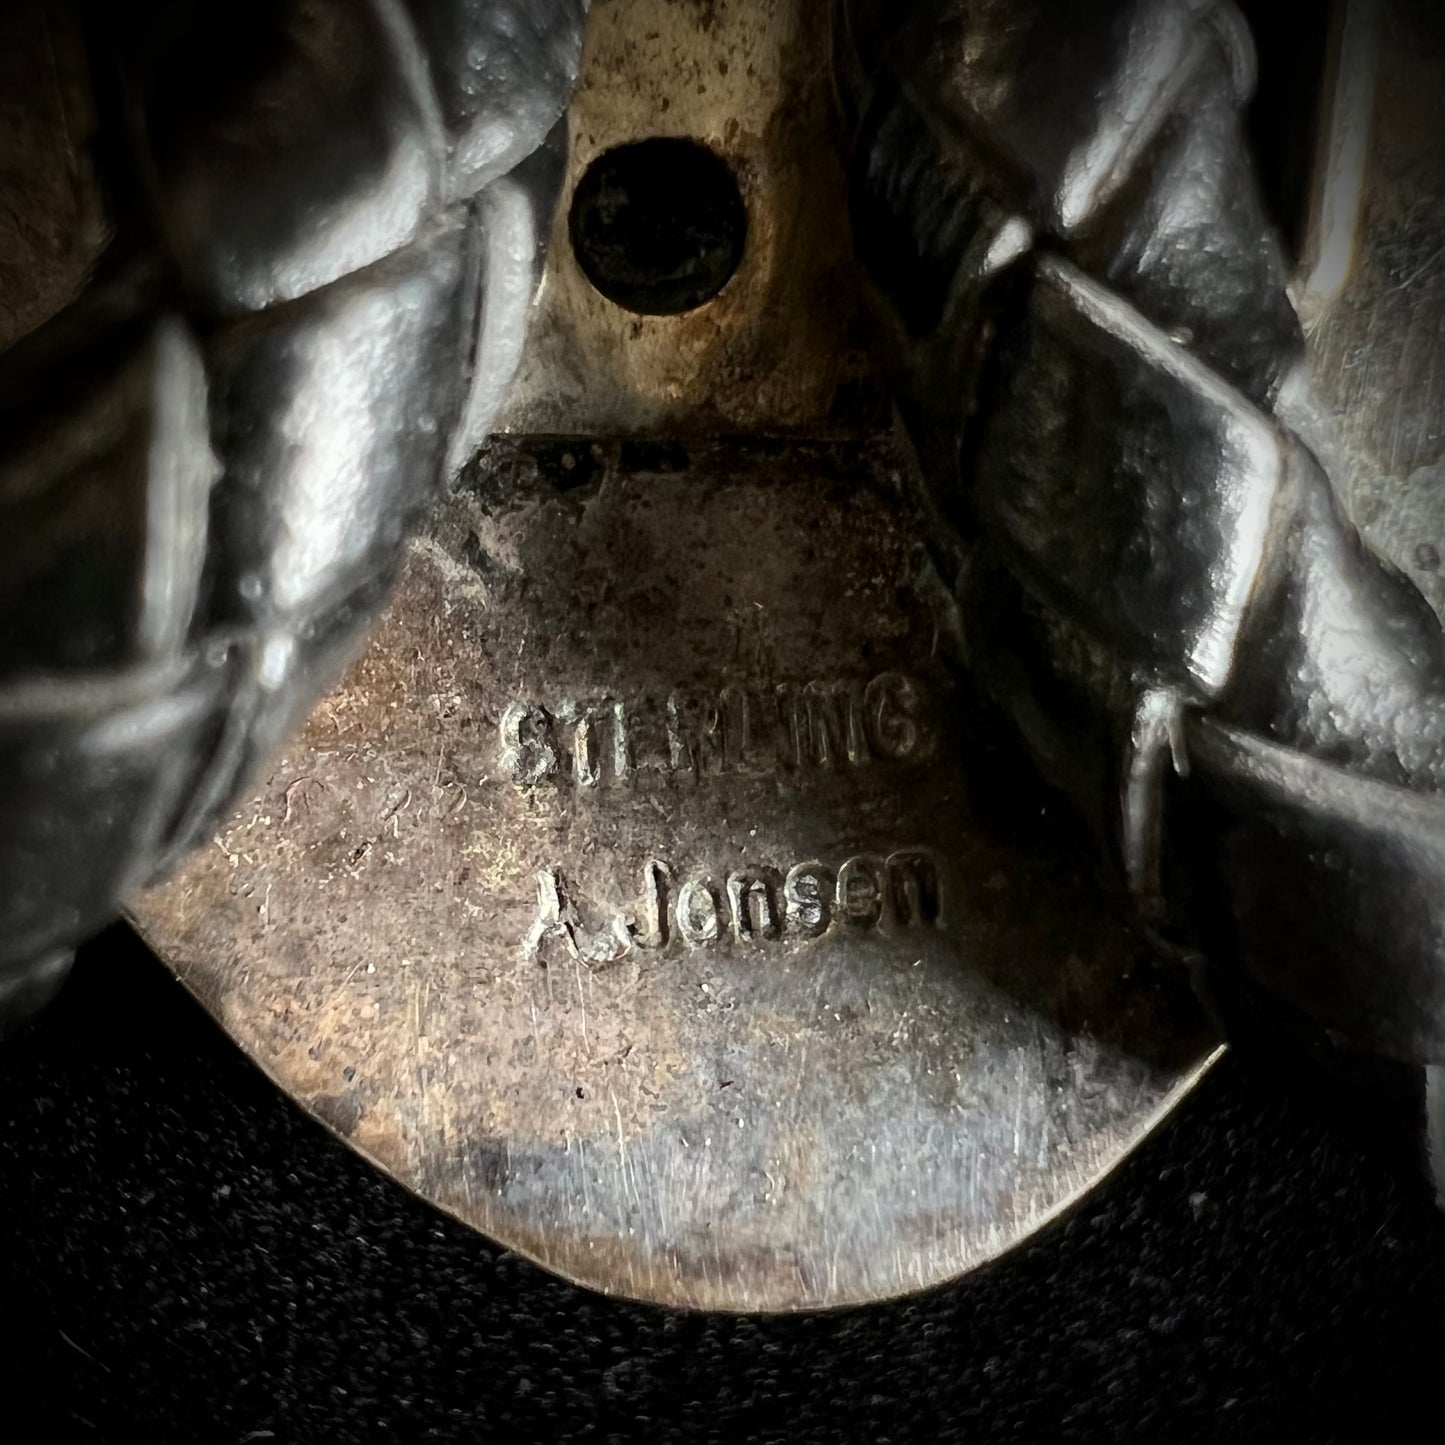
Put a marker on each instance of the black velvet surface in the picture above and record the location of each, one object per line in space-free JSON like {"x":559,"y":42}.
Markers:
{"x":189,"y":1258}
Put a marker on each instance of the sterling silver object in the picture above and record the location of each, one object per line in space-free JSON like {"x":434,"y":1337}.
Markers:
{"x":654,"y":894}
{"x":1147,"y":475}
{"x":664,"y":891}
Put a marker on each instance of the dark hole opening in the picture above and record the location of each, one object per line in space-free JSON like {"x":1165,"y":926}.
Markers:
{"x":658,"y":226}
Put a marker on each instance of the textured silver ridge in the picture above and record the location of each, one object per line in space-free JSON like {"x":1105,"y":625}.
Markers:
{"x":268,"y":270}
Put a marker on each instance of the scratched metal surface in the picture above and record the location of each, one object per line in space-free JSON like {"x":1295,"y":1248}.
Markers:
{"x":885,"y":1093}
{"x":1372,"y":293}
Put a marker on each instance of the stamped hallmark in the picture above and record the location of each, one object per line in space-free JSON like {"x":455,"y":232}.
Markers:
{"x":785,"y":728}
{"x":755,"y":904}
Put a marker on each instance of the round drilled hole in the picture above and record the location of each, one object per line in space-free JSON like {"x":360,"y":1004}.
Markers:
{"x":658,"y":226}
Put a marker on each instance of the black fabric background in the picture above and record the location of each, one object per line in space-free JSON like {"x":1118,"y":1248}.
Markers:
{"x":189,"y":1258}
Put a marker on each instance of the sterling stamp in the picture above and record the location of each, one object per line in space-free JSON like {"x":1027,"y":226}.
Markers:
{"x":785,"y":728}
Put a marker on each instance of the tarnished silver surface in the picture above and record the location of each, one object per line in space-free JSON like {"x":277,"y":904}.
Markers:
{"x":749,"y":81}
{"x":654,"y":897}
{"x":654,"y":894}
{"x":1120,"y":428}
{"x":1372,"y":293}
{"x":259,"y":289}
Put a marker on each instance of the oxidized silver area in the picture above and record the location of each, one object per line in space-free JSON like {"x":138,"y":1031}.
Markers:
{"x":653,"y":896}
